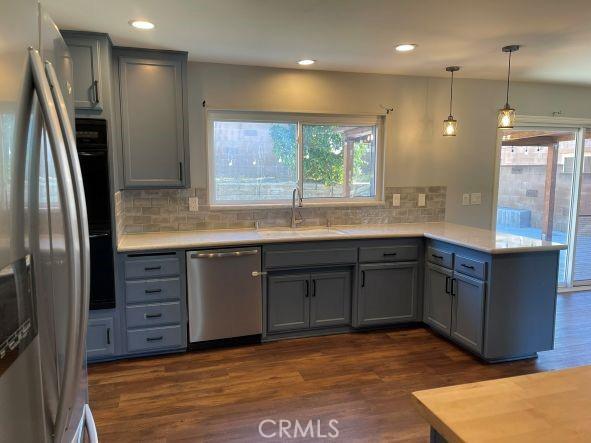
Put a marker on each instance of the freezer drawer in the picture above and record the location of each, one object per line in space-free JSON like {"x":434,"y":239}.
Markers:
{"x":224,"y":293}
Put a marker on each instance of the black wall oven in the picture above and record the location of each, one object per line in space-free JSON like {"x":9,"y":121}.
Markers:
{"x":91,"y":141}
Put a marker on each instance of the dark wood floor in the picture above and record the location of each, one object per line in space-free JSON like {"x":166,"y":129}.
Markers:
{"x":363,"y":380}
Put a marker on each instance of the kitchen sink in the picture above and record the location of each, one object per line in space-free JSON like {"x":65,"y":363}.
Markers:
{"x":298,"y":232}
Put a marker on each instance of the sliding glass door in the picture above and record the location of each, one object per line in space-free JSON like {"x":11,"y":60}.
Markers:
{"x":582,"y":243}
{"x":536,"y":186}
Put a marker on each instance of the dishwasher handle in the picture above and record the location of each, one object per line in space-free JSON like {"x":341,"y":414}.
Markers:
{"x":224,"y":254}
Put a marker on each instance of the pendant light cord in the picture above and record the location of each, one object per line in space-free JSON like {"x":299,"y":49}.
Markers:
{"x":451,"y":92}
{"x":508,"y":77}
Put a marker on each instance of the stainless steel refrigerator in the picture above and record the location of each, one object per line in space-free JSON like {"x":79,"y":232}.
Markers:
{"x":44,"y":272}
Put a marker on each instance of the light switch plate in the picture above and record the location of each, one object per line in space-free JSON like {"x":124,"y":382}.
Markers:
{"x":396,"y":200}
{"x":421,"y":199}
{"x":466,"y":199}
{"x":194,"y":204}
{"x":475,"y":198}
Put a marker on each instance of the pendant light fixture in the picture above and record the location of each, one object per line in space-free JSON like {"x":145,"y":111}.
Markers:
{"x":450,"y":125}
{"x":507,"y":114}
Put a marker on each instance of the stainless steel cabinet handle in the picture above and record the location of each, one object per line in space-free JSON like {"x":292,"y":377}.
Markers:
{"x":105,"y":234}
{"x":258,"y":273}
{"x":75,"y":240}
{"x":224,"y":254}
{"x":95,"y":91}
{"x":147,"y":316}
{"x":150,"y":339}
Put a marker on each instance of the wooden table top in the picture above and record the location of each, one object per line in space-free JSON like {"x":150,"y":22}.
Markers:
{"x":546,"y":406}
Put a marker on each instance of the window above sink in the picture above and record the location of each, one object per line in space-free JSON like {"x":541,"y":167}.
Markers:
{"x":259,"y":158}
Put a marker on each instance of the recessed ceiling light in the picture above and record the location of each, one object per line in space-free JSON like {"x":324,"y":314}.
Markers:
{"x":306,"y":62}
{"x":406,"y":47}
{"x":141,"y":24}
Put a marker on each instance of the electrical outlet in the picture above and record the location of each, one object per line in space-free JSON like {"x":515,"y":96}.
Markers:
{"x":396,"y":200}
{"x":194,"y":204}
{"x":466,"y":199}
{"x":475,"y":198}
{"x":421,"y":200}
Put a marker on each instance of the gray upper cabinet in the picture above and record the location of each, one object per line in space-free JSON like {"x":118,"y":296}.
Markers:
{"x":330,"y":298}
{"x":438,"y":298}
{"x":468,"y":311}
{"x":387,"y":293}
{"x":86,"y":55}
{"x":288,"y":302}
{"x":153,"y":115}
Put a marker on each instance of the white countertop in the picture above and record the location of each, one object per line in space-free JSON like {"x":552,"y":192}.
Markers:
{"x":474,"y":238}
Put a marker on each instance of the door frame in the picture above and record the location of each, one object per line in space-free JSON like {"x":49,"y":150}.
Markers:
{"x":576,"y":125}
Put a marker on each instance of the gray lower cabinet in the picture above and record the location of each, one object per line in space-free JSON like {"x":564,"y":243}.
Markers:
{"x":288,"y":302}
{"x":468,"y":311}
{"x":437,"y":298}
{"x":308,"y":300}
{"x":331,"y":299}
{"x":388,"y":293}
{"x":153,"y":114}
{"x":100,"y":337}
{"x":155,"y":302}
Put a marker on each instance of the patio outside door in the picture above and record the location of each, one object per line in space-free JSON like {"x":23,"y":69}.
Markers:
{"x":536,"y":186}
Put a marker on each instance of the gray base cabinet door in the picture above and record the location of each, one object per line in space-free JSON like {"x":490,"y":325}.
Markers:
{"x":330,"y":299}
{"x":468,"y":311}
{"x":387,"y":293}
{"x":99,"y":340}
{"x":438,"y":298}
{"x":288,"y":302}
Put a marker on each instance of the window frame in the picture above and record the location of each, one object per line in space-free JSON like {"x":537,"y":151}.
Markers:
{"x":300,"y":119}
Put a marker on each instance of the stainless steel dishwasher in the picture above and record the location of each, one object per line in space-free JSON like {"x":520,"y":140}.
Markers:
{"x":224,"y":293}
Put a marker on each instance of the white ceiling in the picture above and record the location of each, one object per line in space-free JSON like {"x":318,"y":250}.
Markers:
{"x":357,"y":35}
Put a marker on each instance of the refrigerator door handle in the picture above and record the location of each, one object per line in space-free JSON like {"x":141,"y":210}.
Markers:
{"x":90,"y":425}
{"x":76,"y":174}
{"x":72,"y":366}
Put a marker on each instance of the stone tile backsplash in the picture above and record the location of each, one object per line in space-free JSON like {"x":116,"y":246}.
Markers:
{"x":156,"y":210}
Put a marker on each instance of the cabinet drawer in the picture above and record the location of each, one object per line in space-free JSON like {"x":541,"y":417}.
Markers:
{"x":154,"y":338}
{"x":440,"y":257}
{"x":153,"y":315}
{"x":310,"y":257}
{"x":146,"y":291}
{"x":471,"y":267}
{"x":152,"y":267}
{"x":388,"y":253}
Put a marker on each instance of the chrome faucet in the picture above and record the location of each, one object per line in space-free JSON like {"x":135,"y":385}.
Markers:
{"x":296,"y":219}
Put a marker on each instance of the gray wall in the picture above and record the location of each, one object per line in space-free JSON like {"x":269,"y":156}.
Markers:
{"x":416,"y":153}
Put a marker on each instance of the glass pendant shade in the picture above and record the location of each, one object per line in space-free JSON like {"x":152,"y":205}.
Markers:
{"x":506,"y":117}
{"x":450,"y":126}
